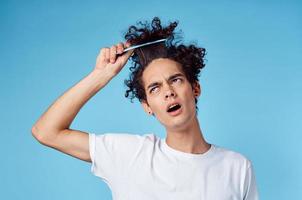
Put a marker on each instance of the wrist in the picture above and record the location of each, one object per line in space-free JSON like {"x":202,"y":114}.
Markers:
{"x":101,"y":74}
{"x":98,"y":78}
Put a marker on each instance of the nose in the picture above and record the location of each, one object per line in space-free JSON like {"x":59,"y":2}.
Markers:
{"x":169,"y":92}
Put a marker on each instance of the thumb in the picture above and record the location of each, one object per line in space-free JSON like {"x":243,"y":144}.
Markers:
{"x":124,"y":58}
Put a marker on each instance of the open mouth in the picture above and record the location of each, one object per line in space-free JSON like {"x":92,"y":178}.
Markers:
{"x":173,"y":108}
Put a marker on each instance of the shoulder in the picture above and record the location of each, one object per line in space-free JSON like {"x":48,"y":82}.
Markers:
{"x":231,"y":157}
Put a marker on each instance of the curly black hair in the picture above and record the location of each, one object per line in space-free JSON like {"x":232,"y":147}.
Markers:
{"x":190,"y":57}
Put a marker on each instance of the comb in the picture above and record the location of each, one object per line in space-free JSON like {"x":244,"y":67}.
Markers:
{"x":142,"y":45}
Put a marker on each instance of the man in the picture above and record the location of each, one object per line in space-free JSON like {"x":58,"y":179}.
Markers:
{"x":164,"y":79}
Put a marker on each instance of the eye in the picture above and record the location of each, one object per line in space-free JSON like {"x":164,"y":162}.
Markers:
{"x":176,"y":80}
{"x":154,"y":89}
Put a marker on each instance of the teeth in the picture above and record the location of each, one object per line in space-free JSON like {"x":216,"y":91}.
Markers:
{"x":173,"y":105}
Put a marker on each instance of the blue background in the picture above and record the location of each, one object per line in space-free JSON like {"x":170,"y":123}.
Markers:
{"x":251,"y":87}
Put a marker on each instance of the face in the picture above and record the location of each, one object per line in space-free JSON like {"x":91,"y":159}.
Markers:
{"x":170,"y":96}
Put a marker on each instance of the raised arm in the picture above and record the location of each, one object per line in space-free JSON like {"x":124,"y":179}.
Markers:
{"x":52,"y":128}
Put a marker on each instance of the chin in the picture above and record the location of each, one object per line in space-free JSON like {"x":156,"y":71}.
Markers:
{"x":181,"y":123}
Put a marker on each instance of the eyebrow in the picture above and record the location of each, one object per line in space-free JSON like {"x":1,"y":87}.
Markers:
{"x":169,"y":79}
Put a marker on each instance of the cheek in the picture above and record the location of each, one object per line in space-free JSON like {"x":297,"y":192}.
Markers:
{"x":155,"y":104}
{"x":186,"y":91}
{"x":190,"y":97}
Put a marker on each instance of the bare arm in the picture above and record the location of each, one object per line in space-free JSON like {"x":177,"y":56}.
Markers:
{"x":52,"y":128}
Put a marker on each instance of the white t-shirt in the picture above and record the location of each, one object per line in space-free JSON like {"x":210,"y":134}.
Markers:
{"x":144,"y":167}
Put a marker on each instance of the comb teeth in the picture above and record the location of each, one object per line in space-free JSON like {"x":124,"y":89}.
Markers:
{"x":142,"y":45}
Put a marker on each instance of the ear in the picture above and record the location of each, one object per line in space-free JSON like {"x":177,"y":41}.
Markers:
{"x":146,"y":107}
{"x":196,"y":89}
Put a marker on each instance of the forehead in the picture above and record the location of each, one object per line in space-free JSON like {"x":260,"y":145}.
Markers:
{"x":160,"y":68}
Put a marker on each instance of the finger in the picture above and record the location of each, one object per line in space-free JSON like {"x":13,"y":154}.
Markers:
{"x":102,"y":54}
{"x":107,"y":52}
{"x":124,"y":58}
{"x":120,"y":48}
{"x":112,"y":54}
{"x":127,"y":44}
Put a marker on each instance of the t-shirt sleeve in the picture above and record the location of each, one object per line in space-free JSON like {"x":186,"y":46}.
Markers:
{"x":111,"y":153}
{"x":250,"y":187}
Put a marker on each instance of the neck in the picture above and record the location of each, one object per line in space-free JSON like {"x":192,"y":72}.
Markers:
{"x":188,"y":139}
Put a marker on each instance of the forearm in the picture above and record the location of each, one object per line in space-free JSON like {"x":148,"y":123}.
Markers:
{"x":62,"y":112}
